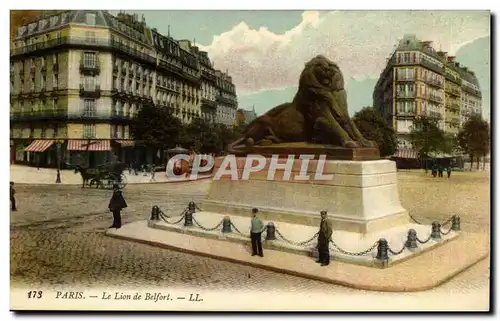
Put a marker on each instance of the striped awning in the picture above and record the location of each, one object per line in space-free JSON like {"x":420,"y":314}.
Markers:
{"x":126,"y":143}
{"x":39,"y":145}
{"x":101,"y":145}
{"x":406,"y":153}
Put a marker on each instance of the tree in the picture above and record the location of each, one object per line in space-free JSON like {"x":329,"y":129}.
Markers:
{"x":374,"y":127}
{"x":156,"y":127}
{"x":474,"y":138}
{"x":426,"y":136}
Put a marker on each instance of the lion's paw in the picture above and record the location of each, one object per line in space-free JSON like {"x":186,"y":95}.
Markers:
{"x":350,"y":144}
{"x":368,"y":143}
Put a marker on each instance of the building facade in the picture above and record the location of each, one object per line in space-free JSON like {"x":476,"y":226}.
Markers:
{"x":420,"y":81}
{"x":78,"y":78}
{"x":245,"y":116}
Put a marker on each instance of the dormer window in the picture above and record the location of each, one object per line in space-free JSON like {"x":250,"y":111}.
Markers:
{"x":90,"y":19}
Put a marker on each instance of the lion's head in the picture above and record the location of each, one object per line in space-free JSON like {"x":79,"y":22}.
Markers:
{"x":321,"y":73}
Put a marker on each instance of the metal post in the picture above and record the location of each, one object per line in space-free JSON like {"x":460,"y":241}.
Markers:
{"x":155,"y":214}
{"x":382,"y":249}
{"x":188,"y":217}
{"x":436,"y":231}
{"x":58,"y":176}
{"x":271,"y":232}
{"x":226,"y":225}
{"x":411,"y":240}
{"x":455,"y":223}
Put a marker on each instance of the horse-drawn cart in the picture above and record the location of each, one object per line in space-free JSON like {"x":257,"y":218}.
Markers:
{"x":104,"y":176}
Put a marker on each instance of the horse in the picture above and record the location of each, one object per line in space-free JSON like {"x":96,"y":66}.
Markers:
{"x":87,"y":174}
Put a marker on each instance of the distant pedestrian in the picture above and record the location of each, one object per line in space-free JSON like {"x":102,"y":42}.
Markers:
{"x":440,"y":170}
{"x":448,"y":171}
{"x":434,"y":170}
{"x":13,"y":197}
{"x":256,"y":234}
{"x":153,"y":172}
{"x":324,"y":237}
{"x":116,"y":205}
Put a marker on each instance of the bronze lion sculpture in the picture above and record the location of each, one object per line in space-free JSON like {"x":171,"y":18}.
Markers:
{"x":318,"y":114}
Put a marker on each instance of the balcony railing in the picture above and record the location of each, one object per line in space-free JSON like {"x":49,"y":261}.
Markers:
{"x":432,"y":66}
{"x":434,"y":98}
{"x":406,"y":94}
{"x":434,"y":82}
{"x":90,"y":68}
{"x":48,"y":114}
{"x":208,"y":103}
{"x":406,"y":113}
{"x":471,"y":91}
{"x":90,"y":91}
{"x":452,"y":78}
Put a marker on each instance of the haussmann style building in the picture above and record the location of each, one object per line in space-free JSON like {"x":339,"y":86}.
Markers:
{"x":420,"y":81}
{"x":78,"y":78}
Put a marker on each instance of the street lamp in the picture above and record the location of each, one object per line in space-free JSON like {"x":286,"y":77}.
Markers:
{"x":58,"y":177}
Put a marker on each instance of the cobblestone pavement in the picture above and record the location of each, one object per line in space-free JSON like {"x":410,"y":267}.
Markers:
{"x":57,"y":238}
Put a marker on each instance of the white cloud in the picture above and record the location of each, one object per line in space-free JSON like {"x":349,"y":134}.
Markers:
{"x":359,"y":41}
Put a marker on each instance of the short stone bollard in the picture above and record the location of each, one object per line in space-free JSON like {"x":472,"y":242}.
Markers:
{"x":382,"y":250}
{"x":411,"y":240}
{"x":436,"y":231}
{"x":455,"y":223}
{"x":226,"y":225}
{"x":188,"y":218}
{"x":270,"y":232}
{"x":155,"y":213}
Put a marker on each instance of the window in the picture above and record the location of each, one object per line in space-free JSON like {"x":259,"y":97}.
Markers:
{"x":89,"y":59}
{"x":90,"y":36}
{"x":123,"y":132}
{"x":56,"y":131}
{"x":89,"y":107}
{"x":43,"y":132}
{"x":43,"y":81}
{"x":114,"y":131}
{"x":54,"y":103}
{"x":89,"y":82}
{"x":90,"y":19}
{"x":55,"y":81}
{"x":89,"y":131}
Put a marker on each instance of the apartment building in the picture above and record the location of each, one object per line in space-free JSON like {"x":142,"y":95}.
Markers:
{"x":79,"y":77}
{"x":420,"y":81}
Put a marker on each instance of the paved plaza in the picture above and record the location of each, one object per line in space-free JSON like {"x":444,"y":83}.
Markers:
{"x":57,"y":238}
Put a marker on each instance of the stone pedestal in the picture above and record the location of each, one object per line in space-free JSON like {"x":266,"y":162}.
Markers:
{"x":361,"y":197}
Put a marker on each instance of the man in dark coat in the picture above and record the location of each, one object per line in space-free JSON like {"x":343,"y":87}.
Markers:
{"x":116,"y":204}
{"x":448,"y":171}
{"x":324,"y":236}
{"x":13,"y":197}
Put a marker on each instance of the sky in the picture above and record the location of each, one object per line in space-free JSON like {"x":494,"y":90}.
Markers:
{"x":265,"y":51}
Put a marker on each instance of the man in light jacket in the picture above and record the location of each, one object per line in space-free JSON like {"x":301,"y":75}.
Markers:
{"x":256,"y":234}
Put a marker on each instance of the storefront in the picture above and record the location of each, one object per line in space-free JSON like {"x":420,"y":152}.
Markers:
{"x":92,"y":153}
{"x":40,"y":153}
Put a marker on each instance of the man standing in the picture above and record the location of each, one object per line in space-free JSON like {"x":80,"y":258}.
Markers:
{"x":448,"y":171}
{"x":13,"y":197}
{"x":116,"y":204}
{"x":324,"y":236}
{"x":256,"y":233}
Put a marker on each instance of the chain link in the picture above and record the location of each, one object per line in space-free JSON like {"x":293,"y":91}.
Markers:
{"x":423,"y":242}
{"x":354,"y":253}
{"x":165,"y":218}
{"x":197,"y":207}
{"x":296,"y":243}
{"x":396,"y":252}
{"x":445,"y":233}
{"x":206,"y":228}
{"x":420,"y":223}
{"x":163,"y":213}
{"x":238,"y":231}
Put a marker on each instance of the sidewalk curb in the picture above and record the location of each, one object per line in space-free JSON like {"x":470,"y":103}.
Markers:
{"x":350,"y":284}
{"x":139,"y":183}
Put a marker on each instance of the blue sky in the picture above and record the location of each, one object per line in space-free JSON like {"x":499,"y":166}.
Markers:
{"x":265,"y":51}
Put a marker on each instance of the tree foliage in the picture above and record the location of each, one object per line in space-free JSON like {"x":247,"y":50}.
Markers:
{"x":154,"y":126}
{"x":426,"y":137}
{"x":374,"y":127}
{"x":474,"y":137}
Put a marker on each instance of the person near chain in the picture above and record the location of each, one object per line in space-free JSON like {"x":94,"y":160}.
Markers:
{"x":13,"y":197}
{"x":256,"y":234}
{"x":116,"y":205}
{"x":448,"y":171}
{"x":324,"y":236}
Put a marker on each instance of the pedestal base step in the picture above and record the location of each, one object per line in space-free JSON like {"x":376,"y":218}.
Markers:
{"x":349,"y":247}
{"x":421,"y":273}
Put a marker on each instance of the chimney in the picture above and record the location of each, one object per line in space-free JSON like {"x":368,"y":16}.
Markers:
{"x":426,"y":44}
{"x":442,"y":54}
{"x":451,"y":59}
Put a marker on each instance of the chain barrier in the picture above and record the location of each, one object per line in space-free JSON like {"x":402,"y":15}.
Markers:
{"x":445,"y":233}
{"x":165,"y":217}
{"x":423,"y":242}
{"x":420,"y":223}
{"x":296,"y":243}
{"x":238,"y":231}
{"x":354,"y":253}
{"x":206,"y":228}
{"x":197,"y":207}
{"x":396,"y":252}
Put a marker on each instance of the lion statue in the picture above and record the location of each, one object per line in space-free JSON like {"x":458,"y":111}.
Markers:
{"x":318,"y":114}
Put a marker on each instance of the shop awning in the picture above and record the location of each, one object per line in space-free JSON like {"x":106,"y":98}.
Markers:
{"x":100,"y":145}
{"x":126,"y":143}
{"x":406,"y":153}
{"x":39,"y":146}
